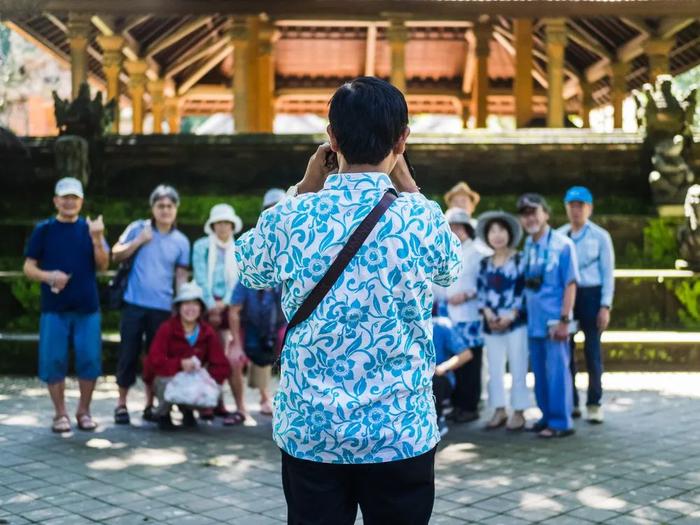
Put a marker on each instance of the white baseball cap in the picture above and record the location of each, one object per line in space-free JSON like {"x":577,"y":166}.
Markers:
{"x":69,"y":186}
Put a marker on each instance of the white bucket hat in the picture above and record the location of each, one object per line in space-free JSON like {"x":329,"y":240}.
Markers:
{"x":223,"y":213}
{"x":458,"y":216}
{"x":485,"y":220}
{"x":272,"y":197}
{"x":189,"y":292}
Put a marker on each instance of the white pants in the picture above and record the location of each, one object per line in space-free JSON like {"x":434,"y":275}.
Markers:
{"x":513,"y":347}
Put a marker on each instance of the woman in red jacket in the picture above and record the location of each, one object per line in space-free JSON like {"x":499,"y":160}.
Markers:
{"x":184,"y":343}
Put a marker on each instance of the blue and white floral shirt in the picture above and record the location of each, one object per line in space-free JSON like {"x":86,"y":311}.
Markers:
{"x":356,"y":378}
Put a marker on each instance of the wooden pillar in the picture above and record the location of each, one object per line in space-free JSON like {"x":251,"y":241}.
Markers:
{"x":397,"y":35}
{"x":265,"y":69}
{"x":555,"y":30}
{"x":78,"y":39}
{"x":240,"y":36}
{"x":112,"y":59}
{"x":658,"y":52}
{"x":586,"y":102}
{"x":466,"y":112}
{"x":173,"y":114}
{"x":522,"y":87}
{"x":618,"y":90}
{"x":156,"y":90}
{"x":137,"y":88}
{"x":482,"y":35}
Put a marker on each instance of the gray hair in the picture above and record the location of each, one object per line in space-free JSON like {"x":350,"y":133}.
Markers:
{"x":164,"y":191}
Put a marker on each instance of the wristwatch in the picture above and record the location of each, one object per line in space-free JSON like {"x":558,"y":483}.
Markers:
{"x":564,"y":319}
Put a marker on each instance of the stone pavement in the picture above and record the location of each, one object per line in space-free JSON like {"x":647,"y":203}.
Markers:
{"x":641,"y":466}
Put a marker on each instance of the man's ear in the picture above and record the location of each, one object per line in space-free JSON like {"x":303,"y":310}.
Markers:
{"x":400,"y":145}
{"x":332,"y":139}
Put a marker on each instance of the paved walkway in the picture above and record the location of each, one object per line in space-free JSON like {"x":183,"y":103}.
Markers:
{"x":641,"y":466}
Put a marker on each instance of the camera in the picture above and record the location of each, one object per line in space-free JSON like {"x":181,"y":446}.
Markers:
{"x":533,"y":283}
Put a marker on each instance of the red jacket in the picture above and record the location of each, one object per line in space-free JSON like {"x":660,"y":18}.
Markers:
{"x":170,"y":347}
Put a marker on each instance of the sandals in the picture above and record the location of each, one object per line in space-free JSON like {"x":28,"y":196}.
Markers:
{"x":149,"y":414}
{"x":206,"y":414}
{"x":85,"y":422}
{"x":266,"y":409}
{"x":234,"y":418}
{"x":550,"y":433}
{"x":497,"y":421}
{"x":516,"y":423}
{"x":121,"y":416}
{"x":61,"y":425}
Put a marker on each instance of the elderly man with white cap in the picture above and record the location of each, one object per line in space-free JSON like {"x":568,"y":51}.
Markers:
{"x":64,"y":253}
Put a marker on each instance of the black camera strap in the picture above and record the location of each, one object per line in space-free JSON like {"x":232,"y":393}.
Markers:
{"x":352,"y":246}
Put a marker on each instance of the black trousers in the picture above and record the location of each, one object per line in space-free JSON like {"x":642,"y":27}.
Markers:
{"x":442,"y":390}
{"x":467,"y":392}
{"x":397,"y":492}
{"x":136,"y":324}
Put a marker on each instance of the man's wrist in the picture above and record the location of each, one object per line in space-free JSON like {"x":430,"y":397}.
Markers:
{"x":564,"y":318}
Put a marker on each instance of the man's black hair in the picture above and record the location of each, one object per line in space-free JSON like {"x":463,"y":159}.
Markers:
{"x":367,"y":117}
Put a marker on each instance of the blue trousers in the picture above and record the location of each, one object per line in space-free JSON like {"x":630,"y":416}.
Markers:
{"x":586,"y":313}
{"x":550,"y":364}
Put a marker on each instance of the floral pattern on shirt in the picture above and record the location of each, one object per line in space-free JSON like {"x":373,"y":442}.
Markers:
{"x":356,"y":377}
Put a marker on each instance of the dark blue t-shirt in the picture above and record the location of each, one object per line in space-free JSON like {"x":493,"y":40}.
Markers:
{"x":66,"y":246}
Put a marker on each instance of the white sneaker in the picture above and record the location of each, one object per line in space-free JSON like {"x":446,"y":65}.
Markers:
{"x":595,"y":414}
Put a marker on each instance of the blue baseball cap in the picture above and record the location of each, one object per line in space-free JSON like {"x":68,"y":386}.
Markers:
{"x":578,"y":194}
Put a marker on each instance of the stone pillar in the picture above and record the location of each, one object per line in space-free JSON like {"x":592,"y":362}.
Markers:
{"x":112,"y":59}
{"x":658,"y":52}
{"x":555,"y":30}
{"x":155,"y":89}
{"x":618,"y":90}
{"x":586,"y":102}
{"x":240,"y":36}
{"x":265,"y":70}
{"x":482,"y":37}
{"x":137,"y":88}
{"x":522,"y":86}
{"x":78,"y":39}
{"x":397,"y":34}
{"x":173,"y":114}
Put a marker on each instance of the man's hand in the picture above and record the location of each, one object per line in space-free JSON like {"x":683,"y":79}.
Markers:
{"x":188,"y":365}
{"x":561,"y":332}
{"x":316,"y":171}
{"x":603,"y":319}
{"x":96,"y":227}
{"x":401,"y":177}
{"x":58,"y":281}
{"x":235,"y":353}
{"x":440,"y":370}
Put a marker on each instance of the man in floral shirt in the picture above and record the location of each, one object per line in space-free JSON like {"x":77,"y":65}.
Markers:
{"x":354,"y":414}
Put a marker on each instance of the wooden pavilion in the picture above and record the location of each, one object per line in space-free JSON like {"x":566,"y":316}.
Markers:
{"x":533,"y":59}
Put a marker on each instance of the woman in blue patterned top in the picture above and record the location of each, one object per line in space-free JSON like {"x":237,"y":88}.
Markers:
{"x":500,"y":286}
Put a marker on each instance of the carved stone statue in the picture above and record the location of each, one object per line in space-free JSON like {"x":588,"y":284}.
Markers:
{"x":689,"y":233}
{"x":86,"y":117}
{"x":666,"y":122}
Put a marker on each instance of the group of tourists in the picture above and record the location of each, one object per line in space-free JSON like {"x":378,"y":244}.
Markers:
{"x":356,"y":259}
{"x":523,"y":308}
{"x":213,"y":321}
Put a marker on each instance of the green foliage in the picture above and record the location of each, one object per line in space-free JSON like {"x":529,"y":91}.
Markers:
{"x":688,"y":294}
{"x":28,"y":295}
{"x":660,"y":242}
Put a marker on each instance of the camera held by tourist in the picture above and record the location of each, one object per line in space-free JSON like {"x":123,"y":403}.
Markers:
{"x":463,"y":311}
{"x":184,"y":343}
{"x":158,"y":255}
{"x":594,"y":296}
{"x":64,"y":253}
{"x":501,"y":301}
{"x":551,"y":273}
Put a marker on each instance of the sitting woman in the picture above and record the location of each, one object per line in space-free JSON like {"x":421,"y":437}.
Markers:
{"x":184,"y":343}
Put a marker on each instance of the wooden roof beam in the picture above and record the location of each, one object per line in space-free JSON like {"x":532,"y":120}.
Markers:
{"x":178,"y":33}
{"x":202,"y":70}
{"x":583,"y":38}
{"x":132,"y":49}
{"x":192,"y":58}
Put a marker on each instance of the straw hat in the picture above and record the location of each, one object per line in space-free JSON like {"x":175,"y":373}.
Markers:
{"x":223,"y":213}
{"x":462,"y":188}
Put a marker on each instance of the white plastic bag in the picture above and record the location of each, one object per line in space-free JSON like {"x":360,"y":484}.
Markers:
{"x":194,"y":389}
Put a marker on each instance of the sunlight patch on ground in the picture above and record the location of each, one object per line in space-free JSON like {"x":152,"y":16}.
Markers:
{"x":19,"y":421}
{"x":144,"y":457}
{"x":599,"y":498}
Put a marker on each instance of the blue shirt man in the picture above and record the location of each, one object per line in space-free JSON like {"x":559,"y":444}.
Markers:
{"x":551,"y":273}
{"x":64,"y":253}
{"x":594,"y":297}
